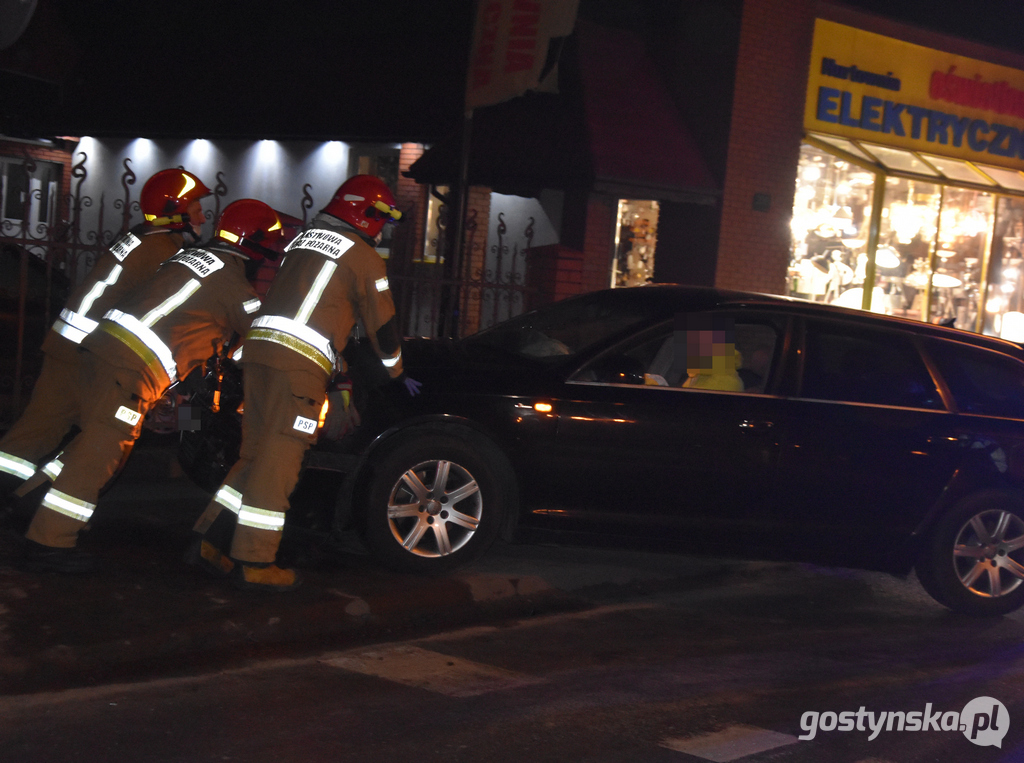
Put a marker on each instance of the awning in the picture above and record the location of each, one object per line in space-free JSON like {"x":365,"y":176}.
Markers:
{"x":518,"y":147}
{"x":639,"y":144}
{"x":613,"y":128}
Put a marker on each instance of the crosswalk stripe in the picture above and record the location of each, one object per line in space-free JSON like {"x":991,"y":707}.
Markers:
{"x":730,"y":743}
{"x":433,"y":671}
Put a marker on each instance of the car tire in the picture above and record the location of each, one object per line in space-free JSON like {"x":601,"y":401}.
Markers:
{"x":207,"y":454}
{"x":436,"y":501}
{"x":973,"y":560}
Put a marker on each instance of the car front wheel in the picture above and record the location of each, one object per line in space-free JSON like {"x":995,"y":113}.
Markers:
{"x":974,"y":559}
{"x":436,"y":502}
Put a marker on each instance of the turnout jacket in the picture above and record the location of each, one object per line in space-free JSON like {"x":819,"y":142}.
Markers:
{"x":126,"y":264}
{"x":330,"y":279}
{"x":178,"y":319}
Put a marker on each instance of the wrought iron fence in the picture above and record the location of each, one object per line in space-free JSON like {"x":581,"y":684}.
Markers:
{"x":506,"y":293}
{"x":487,"y":286}
{"x":51,"y":258}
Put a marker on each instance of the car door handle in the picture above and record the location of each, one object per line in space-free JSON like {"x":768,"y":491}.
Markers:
{"x":756,"y":426}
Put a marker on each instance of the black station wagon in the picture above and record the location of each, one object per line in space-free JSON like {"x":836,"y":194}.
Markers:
{"x":807,"y":432}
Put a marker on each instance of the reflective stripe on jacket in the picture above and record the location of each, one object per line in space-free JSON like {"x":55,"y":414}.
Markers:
{"x":330,"y":279}
{"x":126,"y":264}
{"x":185,"y":314}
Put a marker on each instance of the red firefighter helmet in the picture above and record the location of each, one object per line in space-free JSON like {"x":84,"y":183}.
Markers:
{"x":365,"y":202}
{"x":167,"y":195}
{"x":251,"y":226}
{"x":292,"y":227}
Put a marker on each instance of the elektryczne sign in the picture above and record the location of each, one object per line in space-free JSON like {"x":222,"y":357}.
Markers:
{"x":866,"y":86}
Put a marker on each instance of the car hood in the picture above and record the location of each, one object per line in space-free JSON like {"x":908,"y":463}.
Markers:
{"x":460,"y":366}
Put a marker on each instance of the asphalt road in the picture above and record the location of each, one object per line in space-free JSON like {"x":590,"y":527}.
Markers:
{"x":533,"y":653}
{"x":727,"y":671}
{"x":145,"y":615}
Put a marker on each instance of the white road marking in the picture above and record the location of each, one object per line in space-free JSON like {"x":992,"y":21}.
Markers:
{"x":433,"y":671}
{"x":730,"y":744}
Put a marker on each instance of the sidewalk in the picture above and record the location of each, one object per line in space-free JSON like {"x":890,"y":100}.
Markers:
{"x":145,"y":614}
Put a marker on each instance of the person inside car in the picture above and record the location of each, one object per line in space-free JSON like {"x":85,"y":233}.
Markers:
{"x":712,"y":359}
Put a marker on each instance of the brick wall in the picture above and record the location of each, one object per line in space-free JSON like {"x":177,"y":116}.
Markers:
{"x":557,"y":271}
{"x":474,"y":253}
{"x":598,"y":242}
{"x":764,"y":143}
{"x":411,"y":198}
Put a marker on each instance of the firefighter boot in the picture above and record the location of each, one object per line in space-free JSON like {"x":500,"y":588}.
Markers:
{"x":204,"y":551}
{"x":19,"y":508}
{"x":253,"y":576}
{"x":203,"y":554}
{"x":8,"y":484}
{"x":36,"y":557}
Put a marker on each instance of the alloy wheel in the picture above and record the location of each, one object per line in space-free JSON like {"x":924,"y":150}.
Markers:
{"x":987,"y":553}
{"x":434,"y":508}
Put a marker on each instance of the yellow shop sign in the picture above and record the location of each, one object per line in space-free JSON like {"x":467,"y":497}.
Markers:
{"x":874,"y":88}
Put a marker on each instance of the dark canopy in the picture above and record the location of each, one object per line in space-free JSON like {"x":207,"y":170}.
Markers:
{"x":613,"y":128}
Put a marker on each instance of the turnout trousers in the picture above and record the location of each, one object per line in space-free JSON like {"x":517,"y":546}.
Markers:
{"x":278,"y":426}
{"x":55,"y":406}
{"x":114,"y":402}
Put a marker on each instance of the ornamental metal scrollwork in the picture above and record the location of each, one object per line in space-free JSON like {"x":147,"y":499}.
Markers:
{"x":220,"y":190}
{"x":307,"y":201}
{"x":127,"y":179}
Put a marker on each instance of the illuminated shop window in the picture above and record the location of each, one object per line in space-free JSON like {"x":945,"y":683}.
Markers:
{"x":946,"y":252}
{"x":965,"y":231}
{"x":910,"y":217}
{"x":635,"y":241}
{"x":437,"y":221}
{"x":831,"y":215}
{"x":1004,"y":300}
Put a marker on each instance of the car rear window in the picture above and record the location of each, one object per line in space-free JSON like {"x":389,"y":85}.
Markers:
{"x":981,"y":381}
{"x":857,"y":364}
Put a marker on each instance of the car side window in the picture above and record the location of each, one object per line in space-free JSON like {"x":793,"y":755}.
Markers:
{"x":855,"y":364}
{"x":982,"y":382}
{"x":661,"y":360}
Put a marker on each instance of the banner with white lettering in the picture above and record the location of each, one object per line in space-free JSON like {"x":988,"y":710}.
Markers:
{"x":199,"y":260}
{"x":510,"y":47}
{"x":323,"y":241}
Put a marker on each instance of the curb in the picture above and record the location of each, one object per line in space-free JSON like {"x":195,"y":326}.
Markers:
{"x":247,"y":626}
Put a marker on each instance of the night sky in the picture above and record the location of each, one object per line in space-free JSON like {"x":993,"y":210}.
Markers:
{"x":305,"y":69}
{"x":207,"y":69}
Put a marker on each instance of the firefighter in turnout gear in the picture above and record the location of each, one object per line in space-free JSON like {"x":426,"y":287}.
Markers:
{"x":173,"y":216}
{"x":331,"y":278}
{"x":172,"y":324}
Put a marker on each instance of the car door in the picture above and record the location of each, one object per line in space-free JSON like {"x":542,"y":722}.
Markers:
{"x":868,"y":443}
{"x":638,"y":451}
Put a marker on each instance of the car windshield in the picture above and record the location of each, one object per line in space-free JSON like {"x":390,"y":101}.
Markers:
{"x":565,"y":328}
